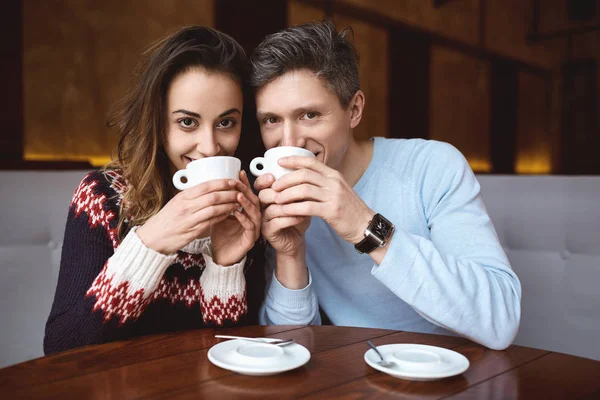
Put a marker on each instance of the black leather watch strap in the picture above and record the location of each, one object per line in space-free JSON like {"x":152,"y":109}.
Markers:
{"x":366,"y":245}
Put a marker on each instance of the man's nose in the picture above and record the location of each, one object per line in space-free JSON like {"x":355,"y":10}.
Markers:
{"x":292,"y":135}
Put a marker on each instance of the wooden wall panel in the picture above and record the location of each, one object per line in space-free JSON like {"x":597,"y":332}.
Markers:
{"x":459,"y":105}
{"x":580,"y":125}
{"x":455,"y":19}
{"x":554,"y":16}
{"x":372,"y":46}
{"x":588,"y":46}
{"x":300,"y":13}
{"x":78,"y":58}
{"x":507,"y":24}
{"x":534,"y":141}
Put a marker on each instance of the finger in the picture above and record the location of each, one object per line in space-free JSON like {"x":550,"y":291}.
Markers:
{"x":253,"y":197}
{"x":250,"y":208}
{"x":206,"y":187}
{"x":278,"y":224}
{"x":301,"y":209}
{"x":245,"y":222}
{"x":217,"y":210}
{"x":215,"y":220}
{"x":301,"y":192}
{"x":267,"y":196}
{"x":264,"y":181}
{"x":243,"y":185}
{"x":298,"y":177}
{"x":274,"y":211}
{"x":298,"y":162}
{"x":211,"y":199}
{"x":203,"y":228}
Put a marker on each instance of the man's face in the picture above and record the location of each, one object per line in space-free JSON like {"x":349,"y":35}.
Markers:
{"x":297,"y":109}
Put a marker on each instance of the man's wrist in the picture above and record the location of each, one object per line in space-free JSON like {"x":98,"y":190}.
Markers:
{"x":291,"y":270}
{"x":362,"y":225}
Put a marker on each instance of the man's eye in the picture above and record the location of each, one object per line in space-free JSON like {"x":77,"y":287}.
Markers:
{"x":311,"y":115}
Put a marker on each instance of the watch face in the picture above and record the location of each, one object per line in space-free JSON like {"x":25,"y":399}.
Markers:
{"x":381,"y":227}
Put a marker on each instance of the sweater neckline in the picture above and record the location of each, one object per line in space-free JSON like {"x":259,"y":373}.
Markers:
{"x":369,"y":171}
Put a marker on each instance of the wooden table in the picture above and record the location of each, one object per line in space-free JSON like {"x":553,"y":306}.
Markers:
{"x":176,"y":366}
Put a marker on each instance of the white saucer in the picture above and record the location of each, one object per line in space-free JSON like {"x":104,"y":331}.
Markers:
{"x":418,"y":362}
{"x":229,"y":355}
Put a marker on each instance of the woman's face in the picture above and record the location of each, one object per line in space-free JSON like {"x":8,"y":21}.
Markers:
{"x":204,"y":116}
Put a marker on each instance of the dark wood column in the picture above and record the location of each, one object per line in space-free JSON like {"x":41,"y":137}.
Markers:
{"x":249,"y":22}
{"x":409,"y":68}
{"x":11,"y":82}
{"x":503,"y":116}
{"x":580,"y":130}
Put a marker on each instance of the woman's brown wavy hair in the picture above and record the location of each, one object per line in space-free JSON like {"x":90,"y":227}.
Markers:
{"x":140,"y":116}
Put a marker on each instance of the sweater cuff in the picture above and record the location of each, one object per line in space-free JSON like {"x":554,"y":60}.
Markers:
{"x":137,"y":264}
{"x":223,"y":291}
{"x":291,"y":298}
{"x":128,"y":278}
{"x":398,"y":260}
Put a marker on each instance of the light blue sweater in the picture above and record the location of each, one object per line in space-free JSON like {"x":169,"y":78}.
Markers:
{"x":444,"y":270}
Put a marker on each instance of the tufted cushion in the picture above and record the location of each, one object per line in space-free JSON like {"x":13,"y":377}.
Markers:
{"x":32,"y":217}
{"x":550,"y":229}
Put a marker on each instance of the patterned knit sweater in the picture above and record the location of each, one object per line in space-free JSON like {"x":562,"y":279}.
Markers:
{"x":110,"y":291}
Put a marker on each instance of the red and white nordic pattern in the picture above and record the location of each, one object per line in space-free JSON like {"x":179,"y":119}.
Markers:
{"x":115,"y":299}
{"x":216,"y":310}
{"x":190,"y":260}
{"x":92,"y":204}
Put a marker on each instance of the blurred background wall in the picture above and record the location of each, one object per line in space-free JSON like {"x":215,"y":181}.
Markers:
{"x":512,"y":83}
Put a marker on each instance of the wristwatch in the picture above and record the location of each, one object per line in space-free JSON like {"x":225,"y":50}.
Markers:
{"x":377,"y":234}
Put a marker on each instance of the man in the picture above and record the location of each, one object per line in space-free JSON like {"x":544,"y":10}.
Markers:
{"x":381,"y":233}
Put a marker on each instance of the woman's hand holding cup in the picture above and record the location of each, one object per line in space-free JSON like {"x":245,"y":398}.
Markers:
{"x":189,"y":215}
{"x":233,"y":237}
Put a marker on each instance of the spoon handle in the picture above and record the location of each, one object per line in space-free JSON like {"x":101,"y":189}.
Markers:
{"x":375,"y":348}
{"x":250,"y":339}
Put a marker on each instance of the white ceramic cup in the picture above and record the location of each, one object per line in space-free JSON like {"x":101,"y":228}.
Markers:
{"x":269,"y":164}
{"x":207,"y":169}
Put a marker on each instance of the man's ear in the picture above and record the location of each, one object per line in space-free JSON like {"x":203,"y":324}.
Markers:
{"x":357,"y":105}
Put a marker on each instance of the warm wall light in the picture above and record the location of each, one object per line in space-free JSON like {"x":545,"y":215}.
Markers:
{"x":96,"y":161}
{"x":539,"y":164}
{"x":479,"y":165}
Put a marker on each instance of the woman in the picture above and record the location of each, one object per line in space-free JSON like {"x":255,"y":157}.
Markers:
{"x":138,"y":257}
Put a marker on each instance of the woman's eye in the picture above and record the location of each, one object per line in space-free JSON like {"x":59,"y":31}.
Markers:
{"x":227,"y":123}
{"x":187,"y":122}
{"x":271,"y":120}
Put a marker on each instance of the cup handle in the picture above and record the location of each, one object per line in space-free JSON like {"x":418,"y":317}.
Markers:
{"x":182,"y":173}
{"x":254,"y":164}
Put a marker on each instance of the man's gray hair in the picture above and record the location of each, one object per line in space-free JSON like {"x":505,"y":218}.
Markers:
{"x":316,"y":46}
